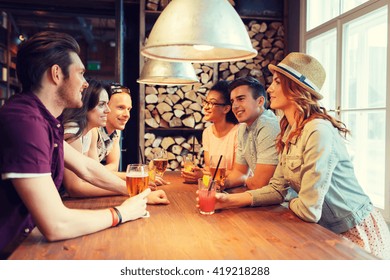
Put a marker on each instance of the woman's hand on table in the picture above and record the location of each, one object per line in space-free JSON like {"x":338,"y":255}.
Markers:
{"x":158,"y":197}
{"x":160,"y":181}
{"x":193,"y":175}
{"x":221,"y":200}
{"x":229,"y":200}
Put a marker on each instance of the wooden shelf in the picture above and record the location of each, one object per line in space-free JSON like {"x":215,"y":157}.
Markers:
{"x":263,"y":18}
{"x":186,"y":129}
{"x":152,"y":13}
{"x":155,"y":14}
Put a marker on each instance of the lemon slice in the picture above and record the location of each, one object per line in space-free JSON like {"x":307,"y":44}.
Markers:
{"x":206,"y":180}
{"x":152,"y":175}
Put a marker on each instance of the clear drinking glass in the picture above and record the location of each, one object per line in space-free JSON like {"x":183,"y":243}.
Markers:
{"x":206,"y":195}
{"x":152,"y":172}
{"x":160,"y":162}
{"x":221,"y":172}
{"x":137,"y":178}
{"x":189,"y":163}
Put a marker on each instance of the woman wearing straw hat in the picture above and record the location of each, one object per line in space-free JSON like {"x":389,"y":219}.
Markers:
{"x":314,"y":162}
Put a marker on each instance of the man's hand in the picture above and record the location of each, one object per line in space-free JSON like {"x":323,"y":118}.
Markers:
{"x":134,"y":207}
{"x":158,"y":197}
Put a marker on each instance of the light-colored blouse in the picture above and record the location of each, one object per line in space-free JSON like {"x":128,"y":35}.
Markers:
{"x":226,"y":145}
{"x":72,"y":128}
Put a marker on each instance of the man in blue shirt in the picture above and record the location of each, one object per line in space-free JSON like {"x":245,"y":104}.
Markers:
{"x":256,"y":156}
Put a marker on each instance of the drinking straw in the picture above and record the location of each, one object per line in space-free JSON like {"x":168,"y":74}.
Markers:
{"x":215,"y":173}
{"x":141,"y":156}
{"x":193,"y":148}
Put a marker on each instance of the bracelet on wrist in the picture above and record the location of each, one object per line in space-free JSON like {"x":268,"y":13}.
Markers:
{"x":115,"y":217}
{"x":119,"y":215}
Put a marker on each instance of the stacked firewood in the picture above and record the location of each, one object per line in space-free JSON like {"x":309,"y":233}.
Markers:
{"x":176,"y":146}
{"x":268,"y":40}
{"x":178,"y":106}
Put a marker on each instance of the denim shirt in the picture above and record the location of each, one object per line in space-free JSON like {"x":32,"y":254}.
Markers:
{"x":318,"y":168}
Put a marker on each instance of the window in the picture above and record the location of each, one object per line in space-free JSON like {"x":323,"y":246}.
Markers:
{"x":323,"y":47}
{"x":319,"y":12}
{"x":351,"y":40}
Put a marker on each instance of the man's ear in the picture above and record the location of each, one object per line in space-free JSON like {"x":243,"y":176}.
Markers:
{"x":56,"y":73}
{"x":261,"y":101}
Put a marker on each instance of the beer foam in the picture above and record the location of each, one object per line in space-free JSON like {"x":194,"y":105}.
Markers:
{"x":137,"y":174}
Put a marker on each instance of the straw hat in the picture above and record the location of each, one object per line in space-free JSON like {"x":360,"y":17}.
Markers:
{"x":303,"y":69}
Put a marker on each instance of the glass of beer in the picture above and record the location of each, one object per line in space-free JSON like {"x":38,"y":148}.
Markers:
{"x":160,"y":162}
{"x":189,"y":163}
{"x":221,"y":172}
{"x":152,"y":172}
{"x":137,"y":178}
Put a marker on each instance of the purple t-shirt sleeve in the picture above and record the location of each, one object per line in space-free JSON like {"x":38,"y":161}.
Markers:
{"x":26,"y":146}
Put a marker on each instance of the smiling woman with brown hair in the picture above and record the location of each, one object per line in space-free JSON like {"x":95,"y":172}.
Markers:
{"x":78,"y":124}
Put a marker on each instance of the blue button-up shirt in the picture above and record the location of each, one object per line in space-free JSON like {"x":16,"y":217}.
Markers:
{"x":256,"y":143}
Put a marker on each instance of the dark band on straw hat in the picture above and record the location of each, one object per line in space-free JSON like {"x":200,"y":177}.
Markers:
{"x":304,"y":69}
{"x":301,"y":78}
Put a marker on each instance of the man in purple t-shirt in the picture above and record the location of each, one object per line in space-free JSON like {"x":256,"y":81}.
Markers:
{"x":33,"y":153}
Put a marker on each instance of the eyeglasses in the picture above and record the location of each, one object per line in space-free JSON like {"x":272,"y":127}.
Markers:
{"x":206,"y":103}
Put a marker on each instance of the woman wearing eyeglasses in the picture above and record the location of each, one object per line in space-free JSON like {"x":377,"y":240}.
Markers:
{"x":220,"y":138}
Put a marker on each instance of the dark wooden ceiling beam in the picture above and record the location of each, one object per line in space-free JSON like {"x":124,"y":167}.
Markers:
{"x":73,"y":16}
{"x":81,"y":10}
{"x":72,"y":7}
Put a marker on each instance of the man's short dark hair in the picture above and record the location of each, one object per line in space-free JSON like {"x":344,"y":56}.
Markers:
{"x":39,"y":53}
{"x":256,"y":87}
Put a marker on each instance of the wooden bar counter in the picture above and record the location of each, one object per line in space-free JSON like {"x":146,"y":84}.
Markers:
{"x":178,"y":232}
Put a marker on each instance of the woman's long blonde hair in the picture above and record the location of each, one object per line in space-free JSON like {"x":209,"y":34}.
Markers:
{"x":308,"y":108}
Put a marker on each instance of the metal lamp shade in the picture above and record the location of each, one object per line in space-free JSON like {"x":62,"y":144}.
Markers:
{"x":199,"y":31}
{"x":158,"y":72}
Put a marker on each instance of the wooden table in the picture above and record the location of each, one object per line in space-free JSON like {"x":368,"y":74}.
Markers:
{"x":178,"y":231}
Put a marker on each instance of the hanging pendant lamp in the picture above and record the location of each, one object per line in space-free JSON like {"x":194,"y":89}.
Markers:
{"x":199,"y":31}
{"x":158,"y":72}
